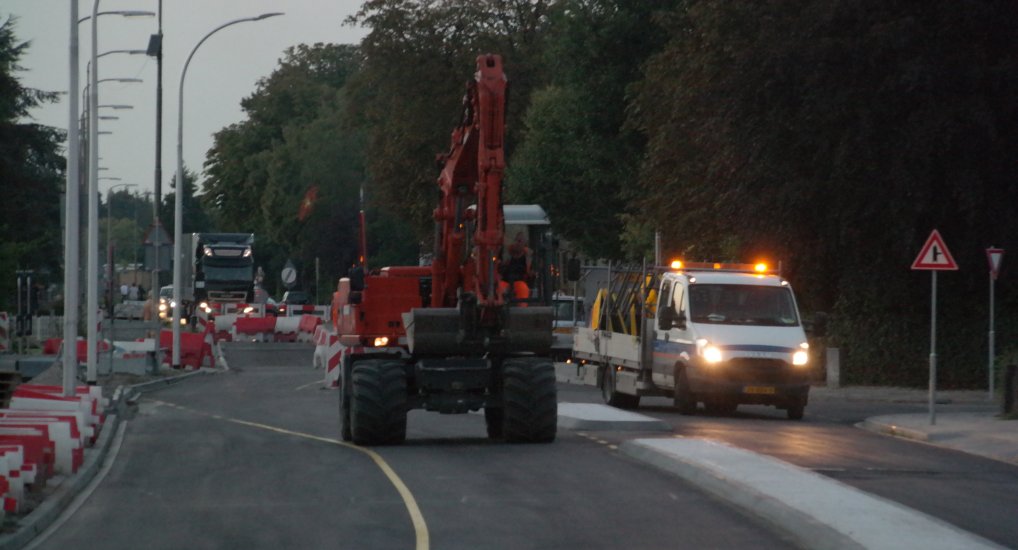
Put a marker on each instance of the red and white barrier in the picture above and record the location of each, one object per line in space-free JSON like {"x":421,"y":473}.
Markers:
{"x":308,"y":327}
{"x":224,"y":327}
{"x":42,"y":433}
{"x":287,"y":328}
{"x":195,"y":348}
{"x":328,"y":353}
{"x":254,"y":329}
{"x":12,"y":462}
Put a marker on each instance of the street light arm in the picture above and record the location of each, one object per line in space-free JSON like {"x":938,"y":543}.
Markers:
{"x":183,"y":72}
{"x":129,"y":52}
{"x":178,"y":206}
{"x":119,"y":80}
{"x":125,"y":13}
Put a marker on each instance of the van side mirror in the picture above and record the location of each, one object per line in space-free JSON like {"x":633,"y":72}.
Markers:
{"x":669,"y":319}
{"x":573,"y":270}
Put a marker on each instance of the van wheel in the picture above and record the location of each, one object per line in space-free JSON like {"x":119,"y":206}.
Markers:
{"x":611,"y":396}
{"x":683,"y":398}
{"x":796,"y":409}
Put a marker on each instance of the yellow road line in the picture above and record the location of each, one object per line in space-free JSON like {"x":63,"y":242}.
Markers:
{"x":420,"y":527}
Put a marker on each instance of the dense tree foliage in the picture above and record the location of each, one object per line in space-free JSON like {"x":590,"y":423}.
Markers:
{"x":835,"y":135}
{"x":576,"y":159}
{"x":418,"y":56}
{"x":31,"y":176}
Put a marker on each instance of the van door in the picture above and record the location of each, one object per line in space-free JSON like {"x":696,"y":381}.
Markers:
{"x":671,"y":334}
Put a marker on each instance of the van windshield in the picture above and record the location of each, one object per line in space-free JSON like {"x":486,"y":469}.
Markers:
{"x":742,"y":305}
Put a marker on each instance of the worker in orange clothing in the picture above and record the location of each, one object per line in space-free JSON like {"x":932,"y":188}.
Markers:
{"x":516,"y":270}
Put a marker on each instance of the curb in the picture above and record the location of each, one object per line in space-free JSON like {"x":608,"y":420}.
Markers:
{"x":39,"y":519}
{"x":798,"y":502}
{"x":155,"y":385}
{"x":892,"y":430}
{"x":591,"y":417}
{"x":43,"y":516}
{"x":800,"y":527}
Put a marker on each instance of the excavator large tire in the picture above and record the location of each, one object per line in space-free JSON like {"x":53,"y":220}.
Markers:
{"x":530,"y":414}
{"x":344,"y":414}
{"x":378,"y":402}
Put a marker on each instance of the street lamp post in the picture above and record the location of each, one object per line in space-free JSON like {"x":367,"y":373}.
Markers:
{"x":71,"y":216}
{"x":73,"y":199}
{"x":93,"y":197}
{"x":178,"y":206}
{"x":112,"y":266}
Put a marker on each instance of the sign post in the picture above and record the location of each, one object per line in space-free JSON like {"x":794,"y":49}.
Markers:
{"x":993,"y":257}
{"x":934,"y":257}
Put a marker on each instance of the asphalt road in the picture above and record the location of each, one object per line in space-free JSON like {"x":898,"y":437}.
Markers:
{"x":252,"y":459}
{"x":974,"y":493}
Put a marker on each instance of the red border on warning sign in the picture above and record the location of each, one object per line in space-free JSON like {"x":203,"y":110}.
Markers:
{"x":947,"y":264}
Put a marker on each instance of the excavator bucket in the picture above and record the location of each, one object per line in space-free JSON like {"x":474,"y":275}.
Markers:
{"x":440,"y":331}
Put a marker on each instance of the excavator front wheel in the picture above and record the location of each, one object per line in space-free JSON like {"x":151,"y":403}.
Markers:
{"x":530,"y":414}
{"x":378,"y":402}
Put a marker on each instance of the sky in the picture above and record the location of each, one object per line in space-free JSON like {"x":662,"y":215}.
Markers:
{"x":224,"y":70}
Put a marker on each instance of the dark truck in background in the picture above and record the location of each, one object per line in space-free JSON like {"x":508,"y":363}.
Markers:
{"x":223,"y":270}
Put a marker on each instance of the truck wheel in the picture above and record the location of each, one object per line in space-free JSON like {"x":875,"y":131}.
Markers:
{"x":530,"y":414}
{"x":683,"y":398}
{"x":796,"y":409}
{"x":613,"y":397}
{"x":495,"y":420}
{"x":378,"y":402}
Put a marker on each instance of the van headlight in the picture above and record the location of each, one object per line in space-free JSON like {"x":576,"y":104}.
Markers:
{"x":710,"y":353}
{"x":801,"y":356}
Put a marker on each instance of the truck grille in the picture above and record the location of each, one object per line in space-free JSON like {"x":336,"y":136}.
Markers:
{"x":226,"y":297}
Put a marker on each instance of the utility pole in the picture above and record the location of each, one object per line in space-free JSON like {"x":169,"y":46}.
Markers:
{"x":155,"y":48}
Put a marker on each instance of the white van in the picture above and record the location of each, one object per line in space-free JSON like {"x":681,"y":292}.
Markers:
{"x":720,"y":334}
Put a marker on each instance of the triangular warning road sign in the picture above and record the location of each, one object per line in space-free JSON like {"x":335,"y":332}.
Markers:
{"x":934,"y":255}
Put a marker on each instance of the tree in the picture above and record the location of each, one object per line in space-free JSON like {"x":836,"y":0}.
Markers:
{"x":196,"y":218}
{"x":834,"y":135}
{"x":31,"y":169}
{"x":408,"y":95}
{"x":578,"y":159}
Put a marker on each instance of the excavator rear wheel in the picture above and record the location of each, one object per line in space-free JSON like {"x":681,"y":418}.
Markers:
{"x":530,"y":414}
{"x":378,"y":402}
{"x":344,"y":415}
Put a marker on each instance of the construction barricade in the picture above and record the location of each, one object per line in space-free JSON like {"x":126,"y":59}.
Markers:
{"x":195,"y":348}
{"x":254,"y":329}
{"x":224,"y":327}
{"x":287,"y":328}
{"x":327,"y":354}
{"x":307,"y":328}
{"x":42,"y":433}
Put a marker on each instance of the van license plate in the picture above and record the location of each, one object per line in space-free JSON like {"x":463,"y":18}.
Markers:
{"x":759,"y":390}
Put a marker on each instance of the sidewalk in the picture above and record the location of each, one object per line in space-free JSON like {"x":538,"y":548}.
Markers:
{"x":980,"y":433}
{"x":983,"y":432}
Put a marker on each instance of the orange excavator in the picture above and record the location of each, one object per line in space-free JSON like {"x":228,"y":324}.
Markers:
{"x":450,"y":337}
